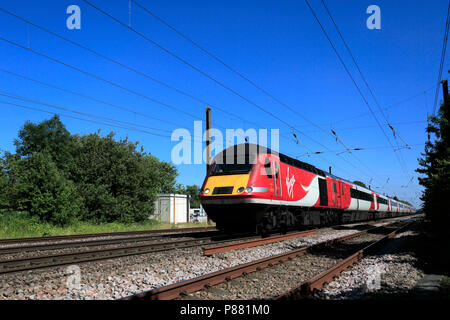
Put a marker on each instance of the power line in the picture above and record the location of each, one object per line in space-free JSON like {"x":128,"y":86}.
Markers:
{"x":394,"y":105}
{"x":99,"y":100}
{"x":359,"y":149}
{"x":88,"y":97}
{"x":124,"y":66}
{"x":401,"y":159}
{"x":195,"y":68}
{"x":18,"y":97}
{"x":236,"y":72}
{"x":92,"y":75}
{"x":360,"y":72}
{"x":143,"y":74}
{"x":81,"y":119}
{"x":116,"y":123}
{"x":441,"y":65}
{"x":355,"y":84}
{"x":229,"y":68}
{"x":372,"y":126}
{"x":99,"y":78}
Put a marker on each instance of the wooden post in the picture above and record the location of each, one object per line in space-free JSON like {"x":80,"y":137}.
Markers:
{"x":208,"y":144}
{"x":208,"y":139}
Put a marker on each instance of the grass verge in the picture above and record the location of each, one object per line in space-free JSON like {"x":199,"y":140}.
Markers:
{"x":21,"y":225}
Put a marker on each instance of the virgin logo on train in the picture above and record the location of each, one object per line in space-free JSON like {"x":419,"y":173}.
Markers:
{"x":290,"y":184}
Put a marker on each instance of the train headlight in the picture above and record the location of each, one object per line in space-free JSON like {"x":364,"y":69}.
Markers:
{"x":206,"y":191}
{"x":241,"y":189}
{"x":249,"y":189}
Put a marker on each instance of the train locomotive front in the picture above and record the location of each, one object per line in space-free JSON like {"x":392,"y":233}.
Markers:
{"x":249,"y":187}
{"x":240,"y":181}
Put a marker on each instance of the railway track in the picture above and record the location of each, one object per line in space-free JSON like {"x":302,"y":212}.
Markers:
{"x":31,"y":240}
{"x":47,"y":261}
{"x":21,"y":263}
{"x":261,"y":278}
{"x":210,"y":250}
{"x":97,"y":242}
{"x":307,"y":288}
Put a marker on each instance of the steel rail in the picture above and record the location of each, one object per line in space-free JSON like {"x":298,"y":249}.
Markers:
{"x":88,"y":243}
{"x":39,"y":262}
{"x":178,"y":289}
{"x":210,"y":250}
{"x":105,"y":234}
{"x":308,"y":287}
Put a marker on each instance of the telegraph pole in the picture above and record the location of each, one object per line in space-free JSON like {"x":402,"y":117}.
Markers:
{"x":208,"y":139}
{"x":208,"y":145}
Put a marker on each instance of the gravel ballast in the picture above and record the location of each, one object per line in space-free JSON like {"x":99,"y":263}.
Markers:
{"x":389,"y":274}
{"x":117,"y":278}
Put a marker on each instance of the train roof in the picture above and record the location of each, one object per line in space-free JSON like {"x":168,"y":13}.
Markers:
{"x":245,"y":149}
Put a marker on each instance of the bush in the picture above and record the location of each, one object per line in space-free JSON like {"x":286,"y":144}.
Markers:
{"x":39,"y":188}
{"x":4,"y":197}
{"x":117,"y":182}
{"x":59,"y":177}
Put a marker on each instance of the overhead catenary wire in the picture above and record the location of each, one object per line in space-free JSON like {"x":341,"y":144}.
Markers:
{"x":98,"y":77}
{"x":82,"y":119}
{"x":359,"y":149}
{"x":213,"y":56}
{"x":197,"y":69}
{"x":371,"y":126}
{"x":25,"y":99}
{"x":287,"y":124}
{"x":298,"y":141}
{"x":394,"y":105}
{"x":123,"y":65}
{"x":88,"y":97}
{"x":355,"y":84}
{"x":394,"y":132}
{"x":360,"y":72}
{"x":126,"y":67}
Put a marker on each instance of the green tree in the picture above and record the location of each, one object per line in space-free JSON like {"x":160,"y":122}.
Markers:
{"x":406,"y":202}
{"x":359,"y":183}
{"x":116,"y":182}
{"x":49,"y":136}
{"x":4,"y":185}
{"x":38,"y":187}
{"x":59,"y":177}
{"x":435,"y":170}
{"x":192,"y":191}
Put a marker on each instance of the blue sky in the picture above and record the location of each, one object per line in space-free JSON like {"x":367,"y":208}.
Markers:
{"x":276,"y":44}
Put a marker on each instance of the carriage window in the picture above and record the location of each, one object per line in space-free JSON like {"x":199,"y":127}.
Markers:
{"x":334,"y":188}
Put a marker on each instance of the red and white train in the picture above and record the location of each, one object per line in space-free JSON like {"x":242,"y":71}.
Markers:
{"x":250,"y":187}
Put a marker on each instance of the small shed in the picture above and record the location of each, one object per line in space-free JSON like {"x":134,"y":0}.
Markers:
{"x":172,"y":208}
